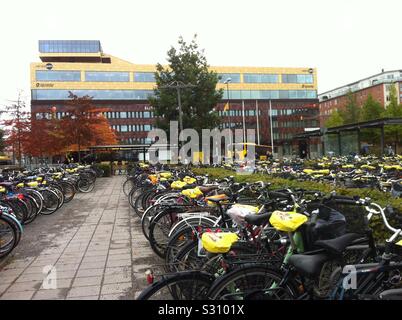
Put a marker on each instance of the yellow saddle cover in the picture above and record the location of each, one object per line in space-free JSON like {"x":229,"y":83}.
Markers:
{"x":2,"y":190}
{"x":189,"y":180}
{"x":287,"y":221}
{"x":251,"y":209}
{"x":192,"y":193}
{"x":20,"y":185}
{"x":32,"y":184}
{"x":166,"y":175}
{"x":348,"y":166}
{"x":218,"y":242}
{"x":178,"y":184}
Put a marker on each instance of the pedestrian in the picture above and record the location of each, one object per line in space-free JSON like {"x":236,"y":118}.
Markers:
{"x":119,"y":166}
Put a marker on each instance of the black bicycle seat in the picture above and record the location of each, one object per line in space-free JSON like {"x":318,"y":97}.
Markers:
{"x":257,"y":219}
{"x":339,"y":244}
{"x":309,"y":265}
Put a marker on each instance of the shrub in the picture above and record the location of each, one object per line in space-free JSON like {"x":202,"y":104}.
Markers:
{"x":383,"y":199}
{"x":107,"y":172}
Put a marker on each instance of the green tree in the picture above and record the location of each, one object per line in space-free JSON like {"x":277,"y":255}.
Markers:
{"x":371,"y":109}
{"x":393,"y":110}
{"x":351,"y":112}
{"x":334,"y":120}
{"x":188,"y":67}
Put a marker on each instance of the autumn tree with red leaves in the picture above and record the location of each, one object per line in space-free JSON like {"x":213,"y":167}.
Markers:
{"x":84,"y":125}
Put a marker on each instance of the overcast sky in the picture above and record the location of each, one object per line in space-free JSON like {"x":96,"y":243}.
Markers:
{"x":345,"y":40}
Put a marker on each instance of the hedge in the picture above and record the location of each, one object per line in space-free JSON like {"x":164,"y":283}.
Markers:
{"x":107,"y":172}
{"x":377,"y":196}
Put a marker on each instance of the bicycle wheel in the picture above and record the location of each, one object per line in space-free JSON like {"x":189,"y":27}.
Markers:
{"x":85,"y":185}
{"x":251,"y":282}
{"x":187,"y":285}
{"x":68,"y":191}
{"x":8,"y":236}
{"x":159,"y":230}
{"x":128,"y":186}
{"x":50,"y":201}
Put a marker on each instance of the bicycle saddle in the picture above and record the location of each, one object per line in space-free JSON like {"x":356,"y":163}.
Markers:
{"x":257,"y":219}
{"x":337,"y":245}
{"x":208,"y":189}
{"x":309,"y":265}
{"x":391,"y":294}
{"x":217,"y":198}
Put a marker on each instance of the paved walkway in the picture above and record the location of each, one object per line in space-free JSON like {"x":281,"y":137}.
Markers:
{"x":95,"y":244}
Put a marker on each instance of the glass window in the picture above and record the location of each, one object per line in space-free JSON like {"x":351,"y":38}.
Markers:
{"x":260,"y":78}
{"x":297,"y":78}
{"x":69,"y":46}
{"x":147,"y":114}
{"x":147,"y":127}
{"x":144,"y":77}
{"x":96,"y":94}
{"x":123,"y":115}
{"x":234,"y":77}
{"x":123,"y":128}
{"x":48,"y":75}
{"x":101,"y":76}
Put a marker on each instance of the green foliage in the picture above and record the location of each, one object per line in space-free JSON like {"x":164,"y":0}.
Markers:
{"x":351,"y":113}
{"x":377,"y":196}
{"x":393,"y":110}
{"x":371,"y":109}
{"x":187,"y":65}
{"x":107,"y":172}
{"x":334,"y":120}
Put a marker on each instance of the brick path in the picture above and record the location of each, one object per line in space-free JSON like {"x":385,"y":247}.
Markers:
{"x":95,"y":244}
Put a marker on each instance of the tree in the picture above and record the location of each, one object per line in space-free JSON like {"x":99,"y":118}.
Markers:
{"x":351,"y":112}
{"x":334,"y":120}
{"x":371,"y":109}
{"x":17,"y":127}
{"x":393,"y":110}
{"x":84,"y":125}
{"x":186,"y":65}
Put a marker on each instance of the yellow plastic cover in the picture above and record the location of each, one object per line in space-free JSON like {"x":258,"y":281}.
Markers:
{"x":2,"y":189}
{"x":166,"y":175}
{"x":192,"y":193}
{"x":32,"y":184}
{"x":177,"y":184}
{"x":39,"y":179}
{"x":20,"y":185}
{"x":366,"y":166}
{"x":189,"y":180}
{"x":287,"y":221}
{"x":251,"y":209}
{"x":399,"y":243}
{"x":218,"y":242}
{"x":347,"y":166}
{"x":44,"y":182}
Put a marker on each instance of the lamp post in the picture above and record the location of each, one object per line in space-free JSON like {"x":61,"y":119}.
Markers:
{"x":227,"y":81}
{"x":178,"y":85}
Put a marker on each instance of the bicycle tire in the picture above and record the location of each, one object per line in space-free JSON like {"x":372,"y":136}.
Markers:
{"x":197,"y":282}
